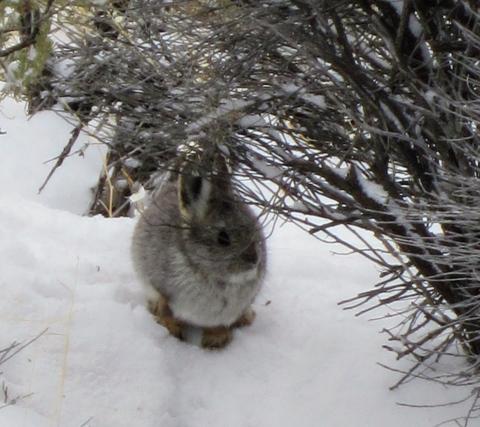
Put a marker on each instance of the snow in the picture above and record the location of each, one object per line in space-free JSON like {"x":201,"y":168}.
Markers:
{"x":252,"y":120}
{"x":26,"y":153}
{"x":413,"y":23}
{"x":316,"y":100}
{"x":388,"y":113}
{"x":98,"y":2}
{"x":227,"y":106}
{"x":10,"y":73}
{"x":32,"y":53}
{"x":104,"y":362}
{"x":269,"y":171}
{"x":373,"y":190}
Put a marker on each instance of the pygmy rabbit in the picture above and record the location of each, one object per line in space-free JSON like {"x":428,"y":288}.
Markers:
{"x":200,"y":252}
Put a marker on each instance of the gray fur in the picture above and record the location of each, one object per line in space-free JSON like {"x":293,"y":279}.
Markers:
{"x":208,"y":280}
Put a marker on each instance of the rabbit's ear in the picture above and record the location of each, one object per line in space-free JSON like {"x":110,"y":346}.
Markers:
{"x":193,"y":194}
{"x":222,"y":179}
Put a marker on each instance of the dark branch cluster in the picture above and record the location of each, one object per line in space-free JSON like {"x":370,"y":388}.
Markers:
{"x":358,"y":113}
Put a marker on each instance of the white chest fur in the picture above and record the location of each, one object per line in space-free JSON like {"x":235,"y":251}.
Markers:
{"x":209,"y":302}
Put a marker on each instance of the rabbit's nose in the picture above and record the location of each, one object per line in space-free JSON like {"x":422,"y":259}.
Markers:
{"x":250,"y":255}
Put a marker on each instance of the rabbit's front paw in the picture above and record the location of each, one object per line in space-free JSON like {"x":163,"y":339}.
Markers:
{"x":163,"y":315}
{"x":175,"y":327}
{"x":217,"y":337}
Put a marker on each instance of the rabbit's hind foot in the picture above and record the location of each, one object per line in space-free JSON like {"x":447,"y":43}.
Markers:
{"x":216,"y":338}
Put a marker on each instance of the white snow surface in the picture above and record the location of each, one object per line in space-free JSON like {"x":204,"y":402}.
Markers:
{"x":28,"y":152}
{"x":104,"y":362}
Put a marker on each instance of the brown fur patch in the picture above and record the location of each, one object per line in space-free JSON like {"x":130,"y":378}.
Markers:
{"x":246,"y":319}
{"x":217,"y":337}
{"x":164,"y":316}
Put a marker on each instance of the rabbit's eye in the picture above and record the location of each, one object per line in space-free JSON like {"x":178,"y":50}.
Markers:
{"x":223,"y":238}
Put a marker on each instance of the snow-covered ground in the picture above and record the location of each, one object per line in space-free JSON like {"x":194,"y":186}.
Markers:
{"x":102,"y":361}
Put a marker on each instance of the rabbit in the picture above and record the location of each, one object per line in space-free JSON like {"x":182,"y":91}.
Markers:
{"x":200,"y":252}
